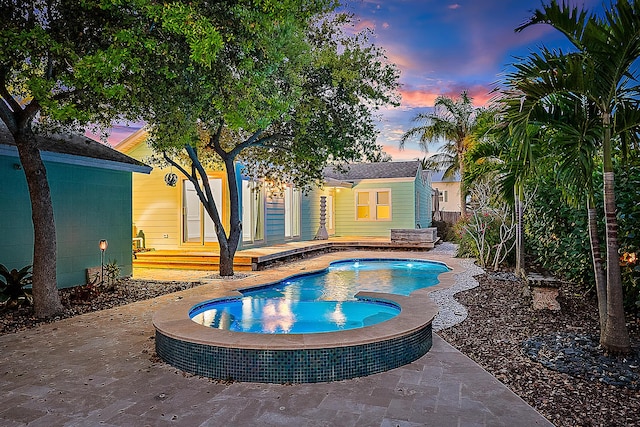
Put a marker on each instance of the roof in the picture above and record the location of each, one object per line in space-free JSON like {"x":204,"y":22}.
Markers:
{"x":133,"y":140}
{"x":76,"y":149}
{"x":356,"y":171}
{"x":438,"y":176}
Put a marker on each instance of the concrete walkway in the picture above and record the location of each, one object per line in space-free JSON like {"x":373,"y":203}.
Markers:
{"x":99,"y":369}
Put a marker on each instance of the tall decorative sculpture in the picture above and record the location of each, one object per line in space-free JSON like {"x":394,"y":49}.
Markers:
{"x":322,"y":233}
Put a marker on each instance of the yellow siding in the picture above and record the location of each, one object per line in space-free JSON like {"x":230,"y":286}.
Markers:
{"x":157,"y":207}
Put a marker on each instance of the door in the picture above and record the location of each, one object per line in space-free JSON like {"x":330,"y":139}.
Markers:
{"x":197,"y":226}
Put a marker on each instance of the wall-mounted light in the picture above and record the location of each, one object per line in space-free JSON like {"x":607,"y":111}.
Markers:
{"x":103,"y":247}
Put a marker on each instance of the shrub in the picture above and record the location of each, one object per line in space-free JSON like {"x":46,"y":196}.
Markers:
{"x":12,"y":286}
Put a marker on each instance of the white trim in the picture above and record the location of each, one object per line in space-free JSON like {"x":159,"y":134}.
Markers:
{"x":70,"y":159}
{"x":373,"y":204}
{"x":382,"y":180}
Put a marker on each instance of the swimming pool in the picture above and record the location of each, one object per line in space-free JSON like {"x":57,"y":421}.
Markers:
{"x":322,"y":301}
{"x":305,"y":357}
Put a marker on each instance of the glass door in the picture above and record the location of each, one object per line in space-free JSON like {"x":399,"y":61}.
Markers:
{"x":197,"y":226}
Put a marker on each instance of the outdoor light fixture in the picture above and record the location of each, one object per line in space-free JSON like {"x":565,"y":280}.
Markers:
{"x":103,"y":247}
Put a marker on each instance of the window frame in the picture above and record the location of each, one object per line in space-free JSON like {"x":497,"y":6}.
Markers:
{"x":373,"y":205}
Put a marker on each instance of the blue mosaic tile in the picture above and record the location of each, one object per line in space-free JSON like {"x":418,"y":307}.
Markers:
{"x":293,"y":366}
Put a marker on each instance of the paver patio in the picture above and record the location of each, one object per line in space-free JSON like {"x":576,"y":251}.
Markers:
{"x":99,"y":369}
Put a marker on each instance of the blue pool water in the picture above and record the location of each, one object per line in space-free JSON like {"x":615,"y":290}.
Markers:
{"x":323,"y":301}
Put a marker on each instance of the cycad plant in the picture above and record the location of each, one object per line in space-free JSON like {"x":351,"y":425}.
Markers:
{"x":12,"y":286}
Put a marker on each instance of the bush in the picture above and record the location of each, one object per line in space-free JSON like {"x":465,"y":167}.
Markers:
{"x":12,"y":286}
{"x":557,"y":236}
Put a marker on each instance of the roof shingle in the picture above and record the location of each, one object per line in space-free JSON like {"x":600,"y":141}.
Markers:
{"x":356,"y":171}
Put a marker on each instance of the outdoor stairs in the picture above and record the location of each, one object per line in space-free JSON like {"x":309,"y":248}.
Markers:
{"x":187,"y":260}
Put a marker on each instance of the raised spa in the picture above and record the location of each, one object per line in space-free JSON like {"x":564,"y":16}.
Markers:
{"x":351,"y":319}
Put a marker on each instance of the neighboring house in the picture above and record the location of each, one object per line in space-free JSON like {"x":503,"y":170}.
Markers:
{"x":173,"y":218}
{"x":381,"y":196}
{"x":91,"y":195}
{"x":448,"y":191}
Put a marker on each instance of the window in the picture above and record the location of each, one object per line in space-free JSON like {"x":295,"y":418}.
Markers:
{"x":374,"y":205}
{"x":443,"y":196}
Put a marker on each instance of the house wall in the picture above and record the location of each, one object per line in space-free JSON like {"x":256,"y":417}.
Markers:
{"x":156,"y":206}
{"x":423,"y":202}
{"x":89,"y":205}
{"x":452,"y":204}
{"x":402,"y":208}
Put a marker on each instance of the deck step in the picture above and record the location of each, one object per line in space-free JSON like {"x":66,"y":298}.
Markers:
{"x":186,"y":261}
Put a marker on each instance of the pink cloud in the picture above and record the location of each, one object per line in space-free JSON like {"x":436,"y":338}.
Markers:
{"x":426,"y":97}
{"x":364,"y":24}
{"x":407,"y":154}
{"x":454,"y":6}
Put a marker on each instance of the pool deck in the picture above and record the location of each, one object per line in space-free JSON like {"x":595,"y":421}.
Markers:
{"x":99,"y":369}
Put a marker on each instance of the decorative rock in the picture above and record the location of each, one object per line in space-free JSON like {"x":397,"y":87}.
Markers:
{"x":581,"y":356}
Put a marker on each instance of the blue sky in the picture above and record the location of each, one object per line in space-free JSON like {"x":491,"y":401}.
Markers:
{"x":442,"y":48}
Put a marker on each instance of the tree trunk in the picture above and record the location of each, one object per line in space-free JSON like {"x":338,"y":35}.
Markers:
{"x":598,"y":270}
{"x":226,"y":260}
{"x":519,"y":270}
{"x":235,"y":227}
{"x":463,"y":195}
{"x":616,"y":336}
{"x":46,"y":299}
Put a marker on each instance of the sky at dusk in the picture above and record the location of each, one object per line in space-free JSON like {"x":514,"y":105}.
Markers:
{"x":442,"y":48}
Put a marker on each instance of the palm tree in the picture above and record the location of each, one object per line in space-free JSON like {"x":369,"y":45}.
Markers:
{"x":455,"y":122}
{"x":599,"y":74}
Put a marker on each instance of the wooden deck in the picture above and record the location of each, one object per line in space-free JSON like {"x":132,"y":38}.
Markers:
{"x":260,"y":258}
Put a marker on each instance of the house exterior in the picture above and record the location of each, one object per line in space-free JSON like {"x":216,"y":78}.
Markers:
{"x":448,"y":191}
{"x":382,"y":196}
{"x":172,"y":217}
{"x":91,"y":195}
{"x":365,"y":200}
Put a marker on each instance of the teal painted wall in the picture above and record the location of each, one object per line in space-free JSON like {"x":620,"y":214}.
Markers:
{"x":402,"y":210}
{"x":89,"y":204}
{"x":423,"y":206}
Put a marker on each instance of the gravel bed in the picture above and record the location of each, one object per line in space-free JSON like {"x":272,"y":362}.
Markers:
{"x":83,"y":299}
{"x":551,"y":359}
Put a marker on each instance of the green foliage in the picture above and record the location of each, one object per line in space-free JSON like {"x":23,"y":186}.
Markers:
{"x":628,"y":203}
{"x":556,"y":235}
{"x":12,"y":286}
{"x":556,"y":232}
{"x":112,"y":274}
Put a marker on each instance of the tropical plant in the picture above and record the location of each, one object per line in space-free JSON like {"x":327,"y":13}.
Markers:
{"x":598,"y":75}
{"x":456,"y":122}
{"x":12,"y":286}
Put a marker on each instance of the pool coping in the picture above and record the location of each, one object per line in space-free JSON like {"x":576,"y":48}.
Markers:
{"x":417,"y":311}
